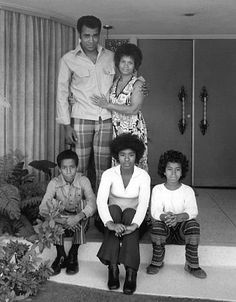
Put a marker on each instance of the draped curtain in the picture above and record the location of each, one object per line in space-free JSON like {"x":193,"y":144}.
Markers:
{"x":30,"y":49}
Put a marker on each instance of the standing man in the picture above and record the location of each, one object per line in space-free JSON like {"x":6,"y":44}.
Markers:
{"x":86,"y":71}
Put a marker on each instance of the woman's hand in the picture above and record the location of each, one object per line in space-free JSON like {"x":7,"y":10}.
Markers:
{"x":100,"y":101}
{"x":144,"y":89}
{"x":130,"y":229}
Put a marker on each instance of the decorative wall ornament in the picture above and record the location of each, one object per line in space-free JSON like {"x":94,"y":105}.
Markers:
{"x":204,"y":123}
{"x":182,"y":122}
{"x":112,"y":44}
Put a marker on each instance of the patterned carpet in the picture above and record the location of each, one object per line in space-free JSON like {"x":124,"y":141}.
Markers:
{"x":57,"y":292}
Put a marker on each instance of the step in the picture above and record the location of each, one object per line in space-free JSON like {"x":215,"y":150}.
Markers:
{"x":172,"y":281}
{"x":218,"y":261}
{"x":209,"y":255}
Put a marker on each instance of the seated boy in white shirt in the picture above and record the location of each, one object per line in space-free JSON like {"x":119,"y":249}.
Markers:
{"x":174,"y":211}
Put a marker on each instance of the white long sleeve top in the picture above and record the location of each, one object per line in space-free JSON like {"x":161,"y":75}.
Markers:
{"x":112,"y":191}
{"x":178,"y":201}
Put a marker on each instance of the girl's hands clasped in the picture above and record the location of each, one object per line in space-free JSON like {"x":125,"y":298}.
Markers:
{"x":120,"y":229}
{"x":130,"y":229}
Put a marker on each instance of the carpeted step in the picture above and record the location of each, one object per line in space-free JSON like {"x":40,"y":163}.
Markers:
{"x":220,"y":256}
{"x":172,"y":281}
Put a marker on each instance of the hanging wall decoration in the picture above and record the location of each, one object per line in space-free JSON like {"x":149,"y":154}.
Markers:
{"x":182,"y":122}
{"x":204,"y":123}
{"x":112,"y":44}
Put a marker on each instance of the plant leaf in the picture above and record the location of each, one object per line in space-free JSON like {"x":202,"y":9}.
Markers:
{"x":43,"y":165}
{"x":10,"y":201}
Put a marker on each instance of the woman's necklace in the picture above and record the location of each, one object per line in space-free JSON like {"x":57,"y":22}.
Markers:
{"x":121,"y":84}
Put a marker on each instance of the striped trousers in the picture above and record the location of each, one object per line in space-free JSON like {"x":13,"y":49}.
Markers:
{"x":93,"y":136}
{"x":186,"y":232}
{"x":78,"y":236}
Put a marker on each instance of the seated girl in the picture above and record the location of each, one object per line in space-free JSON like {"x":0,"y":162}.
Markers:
{"x":122,"y":201}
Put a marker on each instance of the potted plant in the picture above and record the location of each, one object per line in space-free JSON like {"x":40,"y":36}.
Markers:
{"x":49,"y":229}
{"x":21,"y":271}
{"x":20,"y":194}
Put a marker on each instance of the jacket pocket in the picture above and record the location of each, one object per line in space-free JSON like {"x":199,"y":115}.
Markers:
{"x":82,"y":72}
{"x":81,"y":76}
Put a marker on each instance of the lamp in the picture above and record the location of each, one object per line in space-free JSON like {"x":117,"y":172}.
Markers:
{"x":107,"y":27}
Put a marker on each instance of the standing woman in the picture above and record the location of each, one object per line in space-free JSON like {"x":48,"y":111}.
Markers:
{"x":122,"y":201}
{"x":126,"y":97}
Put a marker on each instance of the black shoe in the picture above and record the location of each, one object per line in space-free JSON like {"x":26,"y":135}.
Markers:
{"x":130,"y":281}
{"x":154,"y":269}
{"x":58,"y":264}
{"x":72,"y":268}
{"x":113,"y":277}
{"x":72,"y":265}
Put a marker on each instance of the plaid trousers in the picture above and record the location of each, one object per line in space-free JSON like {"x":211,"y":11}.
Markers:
{"x":93,"y":136}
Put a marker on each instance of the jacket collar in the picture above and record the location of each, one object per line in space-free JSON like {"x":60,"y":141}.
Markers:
{"x":78,"y":50}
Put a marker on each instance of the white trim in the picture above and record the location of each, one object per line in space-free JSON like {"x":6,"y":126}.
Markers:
{"x":104,"y":37}
{"x":172,"y":37}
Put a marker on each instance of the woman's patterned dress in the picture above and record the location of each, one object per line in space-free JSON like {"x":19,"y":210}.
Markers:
{"x":134,"y":124}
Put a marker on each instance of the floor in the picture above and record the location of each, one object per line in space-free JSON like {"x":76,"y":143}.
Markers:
{"x":217,"y":252}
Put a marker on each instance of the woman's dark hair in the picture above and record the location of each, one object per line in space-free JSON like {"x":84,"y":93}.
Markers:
{"x":89,"y":21}
{"x":129,"y":50}
{"x":127,"y":141}
{"x":67,"y":154}
{"x":172,"y":156}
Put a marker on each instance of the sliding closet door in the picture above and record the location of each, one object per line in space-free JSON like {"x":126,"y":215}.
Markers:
{"x":167,"y":66}
{"x":214,"y":152}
